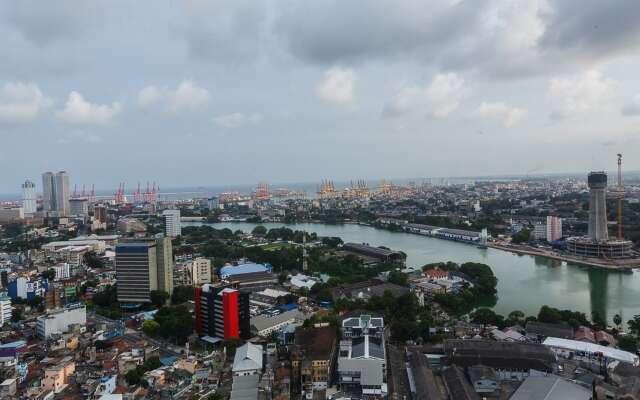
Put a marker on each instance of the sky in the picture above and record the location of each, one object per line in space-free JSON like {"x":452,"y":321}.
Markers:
{"x":190,"y":93}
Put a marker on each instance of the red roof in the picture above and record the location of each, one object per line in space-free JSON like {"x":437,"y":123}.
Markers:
{"x":436,"y":273}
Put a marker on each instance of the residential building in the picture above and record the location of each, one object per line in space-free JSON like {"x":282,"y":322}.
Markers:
{"x":264,"y":325}
{"x":29,"y":199}
{"x":164,"y":260}
{"x":222,"y":312}
{"x":362,"y":358}
{"x":55,"y":196}
{"x":554,"y":228}
{"x":540,"y":231}
{"x":56,"y":377}
{"x":483,"y":379}
{"x":5,"y":308}
{"x":59,"y":321}
{"x":172,"y":226}
{"x":247,"y":360}
{"x":200,"y":270}
{"x":11,"y":214}
{"x":313,"y":359}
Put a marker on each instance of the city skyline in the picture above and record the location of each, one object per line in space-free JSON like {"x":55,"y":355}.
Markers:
{"x":252,"y":89}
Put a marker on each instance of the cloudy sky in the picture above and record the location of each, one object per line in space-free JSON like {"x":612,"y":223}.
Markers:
{"x":218,"y":92}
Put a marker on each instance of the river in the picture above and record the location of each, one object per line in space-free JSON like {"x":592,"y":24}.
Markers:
{"x":524,"y":282}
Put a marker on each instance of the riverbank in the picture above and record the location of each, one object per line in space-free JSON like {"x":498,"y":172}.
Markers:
{"x":616,"y":265}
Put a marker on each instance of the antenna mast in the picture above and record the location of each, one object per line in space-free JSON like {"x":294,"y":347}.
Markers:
{"x":620,"y":196}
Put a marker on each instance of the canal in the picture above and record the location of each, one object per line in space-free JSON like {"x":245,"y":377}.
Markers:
{"x":524,"y":282}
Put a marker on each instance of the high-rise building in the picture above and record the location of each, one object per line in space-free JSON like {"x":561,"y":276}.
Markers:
{"x":79,"y":206}
{"x":597,"y":243}
{"x":164,"y":260}
{"x":136,"y":271}
{"x":29,"y":202}
{"x":554,"y":228}
{"x":172,"y":226}
{"x":100,"y":213}
{"x":222,"y":312}
{"x":55,"y":192}
{"x":142,"y":267}
{"x":5,"y":308}
{"x":200,"y":270}
{"x":597,"y":182}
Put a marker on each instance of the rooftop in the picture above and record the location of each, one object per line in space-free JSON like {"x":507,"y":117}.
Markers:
{"x":550,"y":388}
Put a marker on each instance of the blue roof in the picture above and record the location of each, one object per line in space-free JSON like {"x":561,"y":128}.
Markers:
{"x":16,"y":344}
{"x":231,"y":270}
{"x":169,"y":360}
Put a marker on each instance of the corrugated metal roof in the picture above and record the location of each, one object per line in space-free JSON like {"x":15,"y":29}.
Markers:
{"x":231,"y":270}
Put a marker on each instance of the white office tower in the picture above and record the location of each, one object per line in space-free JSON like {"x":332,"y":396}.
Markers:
{"x":29,"y":203}
{"x":55,"y":192}
{"x":172,"y":227}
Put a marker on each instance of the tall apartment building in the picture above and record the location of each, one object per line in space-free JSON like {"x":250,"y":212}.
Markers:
{"x":29,"y":201}
{"x":164,"y":262}
{"x":55,"y":192}
{"x":5,"y":308}
{"x":172,"y":226}
{"x":554,"y":228}
{"x":200,"y":270}
{"x":222,"y":312}
{"x":142,"y":267}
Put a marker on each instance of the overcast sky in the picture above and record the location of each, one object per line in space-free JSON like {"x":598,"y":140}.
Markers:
{"x":218,"y":92}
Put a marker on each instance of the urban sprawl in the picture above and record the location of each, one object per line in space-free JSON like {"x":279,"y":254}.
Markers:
{"x":137,"y":295}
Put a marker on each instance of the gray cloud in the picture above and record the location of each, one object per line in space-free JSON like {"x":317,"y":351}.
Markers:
{"x":592,"y":28}
{"x":44,"y":22}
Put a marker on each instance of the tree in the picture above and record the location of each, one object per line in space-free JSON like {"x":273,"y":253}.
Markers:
{"x":152,"y":363}
{"x":259,"y":230}
{"x":634,"y":324}
{"x":617,"y":319}
{"x":181,"y":294}
{"x":398,"y":278}
{"x":628,"y":343}
{"x":159,"y":297}
{"x":93,"y":261}
{"x":516,"y":316}
{"x":485,"y":316}
{"x":150,"y":327}
{"x":16,"y":314}
{"x":549,"y":315}
{"x":521,"y":237}
{"x":133,"y":377}
{"x":49,"y":274}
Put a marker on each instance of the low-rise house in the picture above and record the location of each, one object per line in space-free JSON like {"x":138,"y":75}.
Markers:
{"x":483,"y":379}
{"x":264,"y":325}
{"x":56,"y":377}
{"x":247,"y":360}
